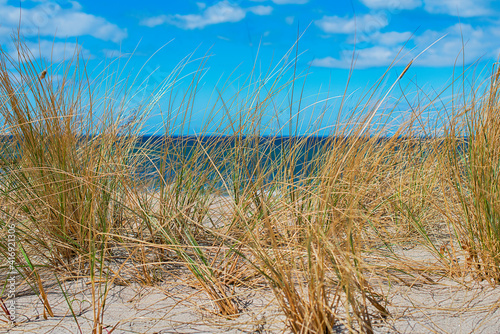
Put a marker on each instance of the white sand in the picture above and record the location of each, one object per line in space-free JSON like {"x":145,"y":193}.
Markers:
{"x":443,"y":307}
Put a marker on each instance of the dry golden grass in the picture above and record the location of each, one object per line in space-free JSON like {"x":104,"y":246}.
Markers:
{"x":234,"y":213}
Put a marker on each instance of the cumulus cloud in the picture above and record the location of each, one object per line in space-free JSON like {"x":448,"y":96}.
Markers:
{"x":377,"y":56}
{"x":50,"y":19}
{"x":221,"y":12}
{"x":287,"y":2}
{"x":154,"y":21}
{"x":261,"y":10}
{"x":392,"y":4}
{"x":390,"y":38}
{"x":476,"y":42}
{"x":460,"y":42}
{"x":53,"y":51}
{"x":463,"y":8}
{"x":342,"y":25}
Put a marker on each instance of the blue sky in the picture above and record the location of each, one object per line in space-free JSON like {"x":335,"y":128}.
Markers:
{"x":233,"y":31}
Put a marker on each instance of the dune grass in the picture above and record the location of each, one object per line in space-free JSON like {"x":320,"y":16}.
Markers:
{"x":317,"y":224}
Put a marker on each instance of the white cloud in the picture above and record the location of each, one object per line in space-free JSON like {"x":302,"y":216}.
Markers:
{"x":222,"y":12}
{"x":392,"y":4}
{"x":154,"y":21}
{"x":474,"y":42}
{"x":53,"y":51}
{"x":261,"y":10}
{"x":377,"y":56}
{"x":78,"y":23}
{"x":50,"y":19}
{"x":285,"y":2}
{"x":219,"y":13}
{"x":289,"y":19}
{"x":328,"y":62}
{"x":390,"y":38}
{"x":289,"y":2}
{"x":462,"y":8}
{"x":341,"y":25}
{"x":76,"y":5}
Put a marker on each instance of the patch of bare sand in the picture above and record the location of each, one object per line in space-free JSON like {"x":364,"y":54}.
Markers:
{"x":443,"y":307}
{"x":422,"y":302}
{"x":167,"y":308}
{"x":418,"y":302}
